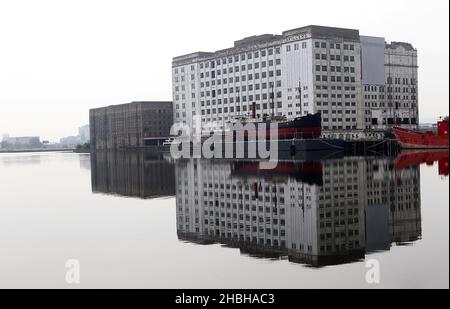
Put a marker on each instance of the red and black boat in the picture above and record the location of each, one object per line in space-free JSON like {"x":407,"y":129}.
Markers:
{"x":308,"y":126}
{"x":422,"y":140}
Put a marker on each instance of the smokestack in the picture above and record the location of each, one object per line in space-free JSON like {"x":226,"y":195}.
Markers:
{"x":254,"y":110}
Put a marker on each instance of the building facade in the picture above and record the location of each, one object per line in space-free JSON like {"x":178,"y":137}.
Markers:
{"x":305,"y":70}
{"x":21,"y":142}
{"x":131,"y":125}
{"x":393,"y":100}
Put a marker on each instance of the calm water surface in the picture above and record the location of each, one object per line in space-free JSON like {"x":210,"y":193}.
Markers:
{"x":133,"y":220}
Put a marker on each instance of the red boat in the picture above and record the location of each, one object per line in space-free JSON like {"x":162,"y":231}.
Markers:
{"x":410,"y":158}
{"x":421,"y":140}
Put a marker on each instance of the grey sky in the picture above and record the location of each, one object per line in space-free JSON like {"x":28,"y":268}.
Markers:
{"x":60,"y":58}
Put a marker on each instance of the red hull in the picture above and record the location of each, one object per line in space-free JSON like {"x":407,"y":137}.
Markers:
{"x":413,"y":139}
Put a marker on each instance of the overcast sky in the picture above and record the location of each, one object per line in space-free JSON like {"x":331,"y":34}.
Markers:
{"x":60,"y":58}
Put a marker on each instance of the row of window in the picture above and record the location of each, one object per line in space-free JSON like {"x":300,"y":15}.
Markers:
{"x":391,"y":97}
{"x":333,"y":78}
{"x":374,"y":96}
{"x":236,"y":89}
{"x":258,"y":97}
{"x":391,"y":121}
{"x":237,"y":58}
{"x":335,"y":57}
{"x":348,"y":127}
{"x":232,"y":109}
{"x":319,"y":44}
{"x":390,"y":104}
{"x":401,"y":81}
{"x":336,"y":95}
{"x":381,"y":89}
{"x":338,"y":119}
{"x":324,"y":68}
{"x":243,"y":67}
{"x":296,"y":46}
{"x":334,"y":88}
{"x":347,"y":104}
{"x":244,"y":77}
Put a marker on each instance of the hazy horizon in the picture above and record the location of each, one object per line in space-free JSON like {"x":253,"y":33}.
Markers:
{"x":59,"y":59}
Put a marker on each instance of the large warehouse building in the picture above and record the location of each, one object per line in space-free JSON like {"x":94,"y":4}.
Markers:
{"x":131,"y":125}
{"x":357,"y":83}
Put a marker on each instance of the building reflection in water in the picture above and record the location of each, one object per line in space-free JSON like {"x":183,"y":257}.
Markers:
{"x":132,"y":174}
{"x":318,"y":213}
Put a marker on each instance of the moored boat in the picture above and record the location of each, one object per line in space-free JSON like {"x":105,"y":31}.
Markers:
{"x":423,"y":140}
{"x":308,"y":126}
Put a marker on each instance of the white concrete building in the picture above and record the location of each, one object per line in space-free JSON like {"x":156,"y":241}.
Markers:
{"x":393,"y":98}
{"x":305,"y":70}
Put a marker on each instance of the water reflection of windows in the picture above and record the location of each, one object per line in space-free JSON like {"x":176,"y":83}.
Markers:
{"x":349,"y":219}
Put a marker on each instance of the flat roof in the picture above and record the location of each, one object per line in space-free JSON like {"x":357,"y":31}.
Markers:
{"x":266,"y":40}
{"x":131,"y":103}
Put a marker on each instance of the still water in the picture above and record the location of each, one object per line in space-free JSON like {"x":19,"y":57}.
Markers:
{"x":133,"y":220}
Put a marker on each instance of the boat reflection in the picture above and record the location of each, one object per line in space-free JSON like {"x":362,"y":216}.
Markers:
{"x":315,"y":213}
{"x":409,"y":158}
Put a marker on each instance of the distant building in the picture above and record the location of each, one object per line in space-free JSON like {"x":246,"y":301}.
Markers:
{"x":83,"y":133}
{"x":21,"y":142}
{"x":69,"y":141}
{"x":131,"y":125}
{"x":81,"y":138}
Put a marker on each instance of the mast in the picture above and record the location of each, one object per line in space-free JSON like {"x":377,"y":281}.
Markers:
{"x":272,"y":102}
{"x":300,"y":96}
